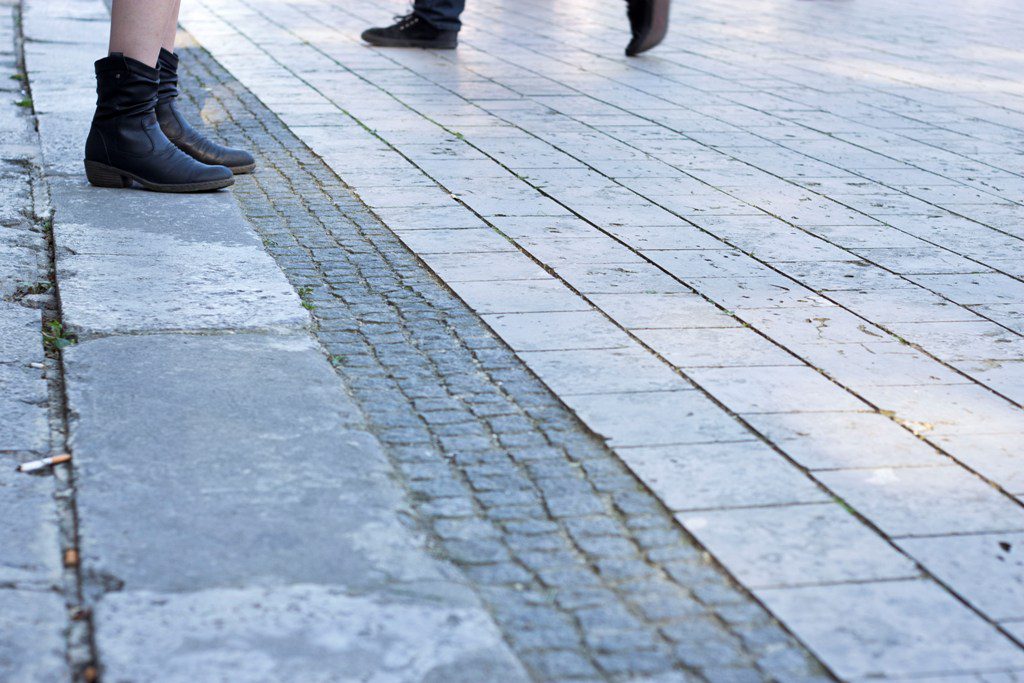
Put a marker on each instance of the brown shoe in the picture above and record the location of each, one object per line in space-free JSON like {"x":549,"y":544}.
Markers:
{"x":649,"y":21}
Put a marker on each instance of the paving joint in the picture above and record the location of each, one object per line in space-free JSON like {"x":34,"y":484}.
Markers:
{"x":80,"y":648}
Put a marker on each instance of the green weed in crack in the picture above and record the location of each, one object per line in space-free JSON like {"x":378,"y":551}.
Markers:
{"x":304,"y":294}
{"x":56,"y":337}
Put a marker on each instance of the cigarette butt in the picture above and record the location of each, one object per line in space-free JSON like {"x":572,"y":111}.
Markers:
{"x":35,"y":465}
{"x":70,"y":557}
{"x":36,"y":366}
{"x":89,"y":674}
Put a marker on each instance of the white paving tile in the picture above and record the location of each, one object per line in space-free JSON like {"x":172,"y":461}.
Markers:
{"x":792,"y":545}
{"x":712,"y":476}
{"x":891,"y":629}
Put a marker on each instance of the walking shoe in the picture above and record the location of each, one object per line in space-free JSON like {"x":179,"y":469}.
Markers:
{"x":125,"y":142}
{"x":649,"y":21}
{"x":411,"y":31}
{"x":182,"y":134}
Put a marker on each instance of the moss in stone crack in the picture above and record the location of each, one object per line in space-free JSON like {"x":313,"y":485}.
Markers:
{"x":26,"y":288}
{"x":24,"y":102}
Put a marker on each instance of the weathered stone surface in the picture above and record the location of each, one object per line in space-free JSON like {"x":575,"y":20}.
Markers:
{"x":172,"y":262}
{"x":987,"y":570}
{"x":23,"y":397}
{"x":720,"y":475}
{"x":32,"y":646}
{"x":916,"y":501}
{"x":892,"y":628}
{"x":796,"y":544}
{"x":21,"y":334}
{"x":29,"y":545}
{"x":653,"y":418}
{"x":304,"y":632}
{"x":208,"y":434}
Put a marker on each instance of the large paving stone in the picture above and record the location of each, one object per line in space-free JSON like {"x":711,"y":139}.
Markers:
{"x":206,"y":464}
{"x":32,"y":645}
{"x":144,"y":262}
{"x":23,"y":413}
{"x":891,"y":628}
{"x":720,"y":475}
{"x":796,"y":544}
{"x":301,"y":633}
{"x":654,"y":418}
{"x":242,"y":451}
{"x":21,"y":338}
{"x":987,"y":570}
{"x":921,"y":501}
{"x":29,"y":541}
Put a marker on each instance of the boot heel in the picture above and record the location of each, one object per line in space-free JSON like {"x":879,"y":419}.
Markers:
{"x":102,"y":175}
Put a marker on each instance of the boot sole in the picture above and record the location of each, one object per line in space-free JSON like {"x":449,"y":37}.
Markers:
{"x":393,"y":42}
{"x":240,"y":170}
{"x":102,"y":175}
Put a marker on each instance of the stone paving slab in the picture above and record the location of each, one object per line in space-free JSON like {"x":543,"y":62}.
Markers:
{"x":302,"y":632}
{"x":893,"y":628}
{"x":30,"y":536}
{"x":223,"y":530}
{"x":753,"y":137}
{"x":194,"y":265}
{"x":32,"y":649}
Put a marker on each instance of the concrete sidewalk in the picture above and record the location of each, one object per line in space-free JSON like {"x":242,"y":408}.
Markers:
{"x":527,"y":361}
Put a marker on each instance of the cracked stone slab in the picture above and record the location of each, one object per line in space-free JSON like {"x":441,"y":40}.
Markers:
{"x":145,"y":262}
{"x":307,"y":633}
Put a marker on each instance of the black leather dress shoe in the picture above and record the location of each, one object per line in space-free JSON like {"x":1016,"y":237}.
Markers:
{"x":649,"y":21}
{"x":411,"y":31}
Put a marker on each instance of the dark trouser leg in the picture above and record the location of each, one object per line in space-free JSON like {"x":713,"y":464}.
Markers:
{"x":441,"y":14}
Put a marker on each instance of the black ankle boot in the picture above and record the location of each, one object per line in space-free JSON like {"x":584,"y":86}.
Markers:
{"x":125,"y":142}
{"x":182,"y":134}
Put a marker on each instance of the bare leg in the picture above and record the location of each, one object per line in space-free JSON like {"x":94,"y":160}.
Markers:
{"x":138,"y":27}
{"x":171,"y":30}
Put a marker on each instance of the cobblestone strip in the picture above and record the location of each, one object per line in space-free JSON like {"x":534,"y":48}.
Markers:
{"x":585,"y":571}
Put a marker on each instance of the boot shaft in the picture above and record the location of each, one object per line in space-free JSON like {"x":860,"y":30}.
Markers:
{"x":167,"y":65}
{"x":125,"y":87}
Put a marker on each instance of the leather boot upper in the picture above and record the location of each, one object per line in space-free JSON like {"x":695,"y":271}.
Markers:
{"x":180,"y":132}
{"x":125,"y":133}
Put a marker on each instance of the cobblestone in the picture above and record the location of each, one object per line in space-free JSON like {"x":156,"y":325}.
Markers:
{"x":371,"y":285}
